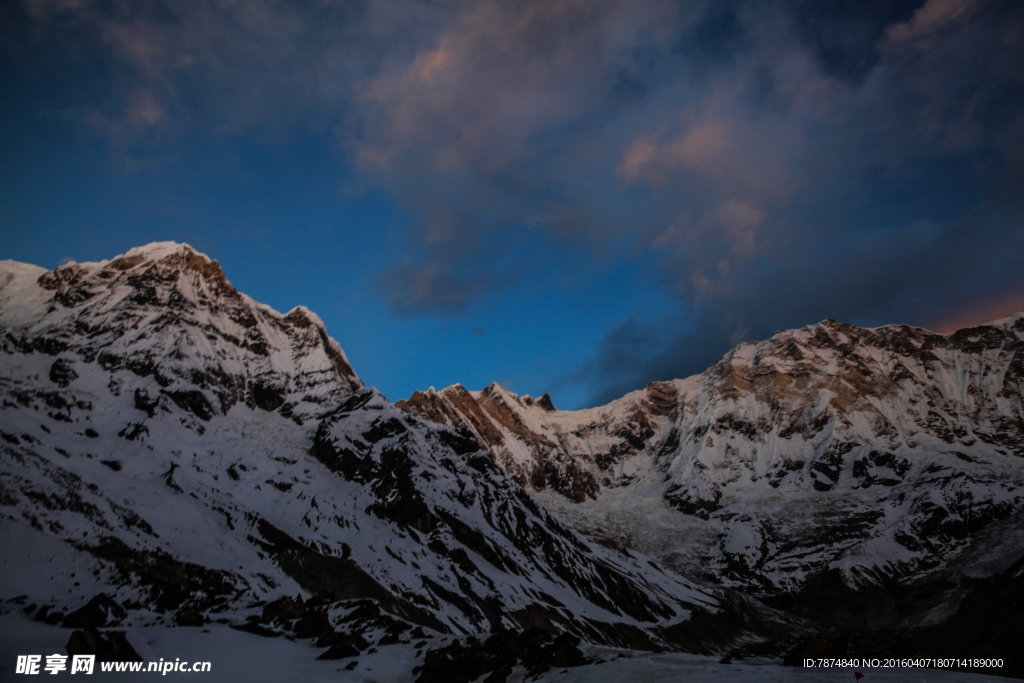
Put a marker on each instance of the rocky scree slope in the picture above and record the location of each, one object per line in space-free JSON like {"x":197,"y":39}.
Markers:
{"x":188,"y":452}
{"x":822,"y":466}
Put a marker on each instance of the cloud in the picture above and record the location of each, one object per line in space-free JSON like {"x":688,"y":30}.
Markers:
{"x":498,"y":76}
{"x":484,"y":132}
{"x":223,"y":67}
{"x":923,"y":30}
{"x":700,"y":148}
{"x":413,"y":288}
{"x":937,"y":278}
{"x":741,"y":222}
{"x":778,"y":162}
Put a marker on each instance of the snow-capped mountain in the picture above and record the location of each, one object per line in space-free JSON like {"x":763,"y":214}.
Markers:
{"x":169,"y":312}
{"x":832,"y":469}
{"x":191,"y":453}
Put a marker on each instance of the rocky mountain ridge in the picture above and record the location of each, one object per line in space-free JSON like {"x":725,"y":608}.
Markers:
{"x":824,"y":460}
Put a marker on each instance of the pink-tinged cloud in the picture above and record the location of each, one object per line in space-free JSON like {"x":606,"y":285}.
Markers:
{"x":720,"y":146}
{"x":44,"y":8}
{"x":497,"y":77}
{"x":642,"y":157}
{"x":144,"y":110}
{"x":982,"y":312}
{"x":701,"y":148}
{"x":922,"y":31}
{"x":742,"y":223}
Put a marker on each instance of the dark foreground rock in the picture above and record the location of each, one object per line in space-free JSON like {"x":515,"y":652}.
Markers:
{"x":95,"y":613}
{"x":989,"y":624}
{"x":113,"y":646}
{"x":534,"y":649}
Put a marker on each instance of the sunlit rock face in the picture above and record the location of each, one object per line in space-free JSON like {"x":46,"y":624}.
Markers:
{"x":826,"y":455}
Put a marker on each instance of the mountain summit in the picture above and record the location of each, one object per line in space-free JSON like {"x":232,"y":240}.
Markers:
{"x":168,"y":312}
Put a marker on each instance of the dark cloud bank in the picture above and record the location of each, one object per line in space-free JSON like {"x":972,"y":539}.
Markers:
{"x":780,"y":163}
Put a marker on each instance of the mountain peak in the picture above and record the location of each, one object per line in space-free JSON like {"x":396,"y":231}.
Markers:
{"x":158,"y":250}
{"x":165,"y":309}
{"x":544,"y":402}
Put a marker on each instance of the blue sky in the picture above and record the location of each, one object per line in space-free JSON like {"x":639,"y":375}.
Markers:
{"x":563,"y":196}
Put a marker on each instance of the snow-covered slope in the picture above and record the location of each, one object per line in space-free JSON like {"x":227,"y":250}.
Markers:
{"x":823,"y":459}
{"x":188,"y":451}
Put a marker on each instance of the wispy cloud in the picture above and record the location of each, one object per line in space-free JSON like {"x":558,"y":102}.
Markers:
{"x":925,"y":28}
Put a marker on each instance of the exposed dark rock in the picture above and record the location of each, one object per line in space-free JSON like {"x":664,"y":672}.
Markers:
{"x":186,"y":617}
{"x":267,"y":396}
{"x":829,"y":600}
{"x":383,"y":429}
{"x":535,"y":649}
{"x":61,"y":372}
{"x":704,"y":632}
{"x":825,"y":470}
{"x":545,"y":402}
{"x":698,"y":507}
{"x":335,"y":577}
{"x":283,"y":610}
{"x":313,"y":624}
{"x":95,"y":613}
{"x":171,"y":581}
{"x":134,"y":432}
{"x":111,"y":646}
{"x":989,"y":624}
{"x":256,"y":629}
{"x":145,"y":402}
{"x":46,"y":616}
{"x":461,"y":441}
{"x":339,"y":650}
{"x":344,"y":640}
{"x":193,"y":401}
{"x":880,"y":469}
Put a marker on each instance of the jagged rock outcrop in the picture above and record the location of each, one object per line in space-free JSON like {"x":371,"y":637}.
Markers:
{"x":514,"y":431}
